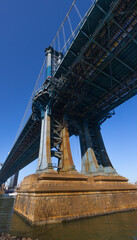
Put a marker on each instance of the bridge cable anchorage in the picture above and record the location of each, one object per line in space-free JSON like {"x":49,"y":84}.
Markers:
{"x":33,"y":92}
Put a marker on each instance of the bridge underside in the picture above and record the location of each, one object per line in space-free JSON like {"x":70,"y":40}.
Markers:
{"x":100,"y":68}
{"x":24,"y":151}
{"x":97,"y":74}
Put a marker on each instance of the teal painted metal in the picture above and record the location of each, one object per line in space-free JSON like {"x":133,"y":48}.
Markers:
{"x":48,"y":69}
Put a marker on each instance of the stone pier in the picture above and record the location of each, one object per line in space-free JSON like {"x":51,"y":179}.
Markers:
{"x":52,"y":197}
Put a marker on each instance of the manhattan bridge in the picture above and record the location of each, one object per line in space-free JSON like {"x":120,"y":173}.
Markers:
{"x":84,"y":78}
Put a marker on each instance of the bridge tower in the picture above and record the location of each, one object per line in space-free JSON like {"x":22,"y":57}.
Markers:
{"x":52,"y":196}
{"x":55,"y":131}
{"x":96,"y":74}
{"x":54,"y":138}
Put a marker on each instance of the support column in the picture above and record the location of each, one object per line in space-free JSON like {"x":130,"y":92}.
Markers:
{"x":89,"y":161}
{"x":94,"y":157}
{"x":84,"y":160}
{"x":13,"y":181}
{"x":108,"y":167}
{"x":67,"y":163}
{"x":44,"y":162}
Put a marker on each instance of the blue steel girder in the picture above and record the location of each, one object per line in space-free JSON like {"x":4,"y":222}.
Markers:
{"x":112,"y":18}
{"x":24,"y":151}
{"x":99,"y":68}
{"x":104,"y":20}
{"x":112,"y":57}
{"x":29,"y":155}
{"x":101,"y":71}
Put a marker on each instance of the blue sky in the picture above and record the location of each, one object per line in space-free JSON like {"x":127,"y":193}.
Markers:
{"x":26,"y":28}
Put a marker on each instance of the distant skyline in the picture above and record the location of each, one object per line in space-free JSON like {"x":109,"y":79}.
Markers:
{"x":27,"y":28}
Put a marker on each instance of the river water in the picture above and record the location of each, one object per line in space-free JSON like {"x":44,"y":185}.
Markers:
{"x":118,"y":226}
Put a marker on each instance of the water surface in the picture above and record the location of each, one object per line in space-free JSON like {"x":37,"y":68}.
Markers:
{"x":118,"y":226}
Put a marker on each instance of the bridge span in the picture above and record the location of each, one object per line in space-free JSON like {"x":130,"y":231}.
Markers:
{"x":97,"y":73}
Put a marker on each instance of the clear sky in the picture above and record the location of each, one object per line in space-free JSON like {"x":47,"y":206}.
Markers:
{"x":26,"y":28}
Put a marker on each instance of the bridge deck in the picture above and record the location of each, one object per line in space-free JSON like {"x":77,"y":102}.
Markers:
{"x":99,"y":71}
{"x":101,"y":65}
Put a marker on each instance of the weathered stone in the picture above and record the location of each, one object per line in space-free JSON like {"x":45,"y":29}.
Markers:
{"x":8,"y":236}
{"x":48,"y":198}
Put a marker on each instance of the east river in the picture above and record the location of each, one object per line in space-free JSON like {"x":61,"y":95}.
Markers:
{"x":118,"y":226}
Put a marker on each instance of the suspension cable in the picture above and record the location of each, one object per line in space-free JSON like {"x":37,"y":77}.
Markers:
{"x":78,"y":11}
{"x":70,"y":25}
{"x":63,"y":21}
{"x":64,"y":47}
{"x":64,"y":37}
{"x":30,"y":99}
{"x":76,"y":28}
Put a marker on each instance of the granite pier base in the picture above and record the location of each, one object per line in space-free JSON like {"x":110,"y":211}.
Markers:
{"x":52,"y":197}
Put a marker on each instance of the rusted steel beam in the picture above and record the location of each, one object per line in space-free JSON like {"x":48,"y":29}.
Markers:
{"x":67,"y":163}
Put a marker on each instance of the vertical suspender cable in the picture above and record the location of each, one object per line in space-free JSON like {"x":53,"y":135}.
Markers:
{"x":30,"y":100}
{"x":70,"y":26}
{"x":64,"y":37}
{"x":78,"y":26}
{"x":63,"y":21}
{"x":54,"y":63}
{"x":58,"y":43}
{"x":78,"y":11}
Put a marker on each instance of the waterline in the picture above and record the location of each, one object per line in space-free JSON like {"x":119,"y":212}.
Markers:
{"x":118,"y":226}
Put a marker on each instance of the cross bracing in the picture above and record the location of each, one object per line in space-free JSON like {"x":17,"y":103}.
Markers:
{"x":105,"y":67}
{"x":96,"y":74}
